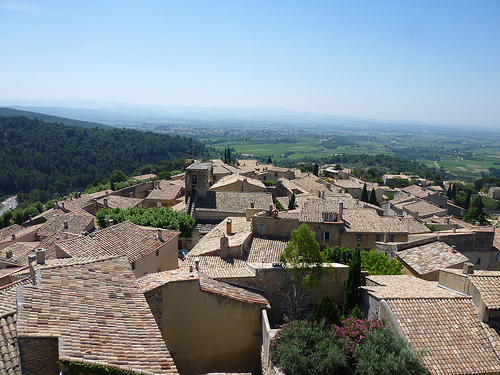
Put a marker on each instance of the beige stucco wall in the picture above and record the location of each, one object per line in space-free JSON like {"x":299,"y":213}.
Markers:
{"x":164,"y":261}
{"x":208,"y":333}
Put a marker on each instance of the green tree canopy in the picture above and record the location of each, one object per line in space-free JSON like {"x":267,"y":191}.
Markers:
{"x":351,"y":285}
{"x":475,"y":212}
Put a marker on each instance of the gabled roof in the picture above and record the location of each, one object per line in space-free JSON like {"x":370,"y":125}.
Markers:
{"x":448,"y":332}
{"x":266,"y":250}
{"x":75,"y":224}
{"x":227,"y":290}
{"x":144,"y":176}
{"x":98,"y":314}
{"x":20,"y":251}
{"x":414,"y":226}
{"x":166,"y":191}
{"x":233,"y":201}
{"x":368,"y":221}
{"x":312,"y":185}
{"x":487,"y":284}
{"x":117,"y":201}
{"x":418,"y":191}
{"x":238,"y":181}
{"x":9,"y":231}
{"x":423,"y":208}
{"x":73,"y":204}
{"x":431,"y":257}
{"x":406,"y":287}
{"x":125,"y":239}
{"x":20,"y":232}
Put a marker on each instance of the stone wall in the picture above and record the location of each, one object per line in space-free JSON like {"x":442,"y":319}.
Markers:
{"x":136,"y":191}
{"x":39,"y":355}
{"x":279,"y":227}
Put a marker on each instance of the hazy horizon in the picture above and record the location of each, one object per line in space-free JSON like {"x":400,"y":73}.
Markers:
{"x":398,"y":61}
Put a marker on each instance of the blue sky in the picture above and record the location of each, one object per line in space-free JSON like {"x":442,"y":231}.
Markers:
{"x":431,"y":61}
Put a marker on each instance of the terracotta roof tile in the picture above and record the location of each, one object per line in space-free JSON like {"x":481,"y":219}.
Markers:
{"x":368,"y":221}
{"x":232,"y":201}
{"x":449,"y":333}
{"x":266,"y":250}
{"x":9,"y":359}
{"x":75,"y":224}
{"x":488,"y":285}
{"x":237,"y":180}
{"x":124,"y":238}
{"x":405,"y":286}
{"x":21,"y":232}
{"x":18,"y":252}
{"x":227,"y":290}
{"x":97,"y":312}
{"x":431,"y":257}
{"x":166,"y":191}
{"x":117,"y":201}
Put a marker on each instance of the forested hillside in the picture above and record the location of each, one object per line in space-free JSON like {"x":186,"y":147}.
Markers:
{"x":57,"y":158}
{"x":49,"y":118}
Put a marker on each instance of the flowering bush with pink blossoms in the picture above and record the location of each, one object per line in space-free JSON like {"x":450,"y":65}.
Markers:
{"x":355,"y":346}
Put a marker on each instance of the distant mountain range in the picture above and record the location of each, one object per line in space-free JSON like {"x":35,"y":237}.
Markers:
{"x":50,"y":118}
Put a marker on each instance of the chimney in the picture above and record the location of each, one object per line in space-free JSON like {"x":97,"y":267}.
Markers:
{"x":66,"y":225}
{"x":13,"y":236}
{"x":105,"y":201}
{"x":40,"y":256}
{"x":197,"y":263}
{"x":229,"y":227}
{"x":252,"y":204}
{"x":111,"y":222}
{"x":8,"y":254}
{"x":341,"y":211}
{"x":319,"y":194}
{"x":31,"y":262}
{"x":62,"y":205}
{"x":224,"y":247}
{"x":468,"y":268}
{"x":160,"y":234}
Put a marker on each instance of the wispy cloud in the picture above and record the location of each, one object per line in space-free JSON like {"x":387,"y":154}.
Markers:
{"x":19,"y":6}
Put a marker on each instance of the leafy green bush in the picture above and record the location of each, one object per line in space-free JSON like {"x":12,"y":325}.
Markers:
{"x":374,"y":262}
{"x":158,"y":217}
{"x":356,"y":346}
{"x":279,"y":206}
{"x":303,"y":347}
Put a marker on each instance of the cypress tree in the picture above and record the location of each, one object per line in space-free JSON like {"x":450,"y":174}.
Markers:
{"x":364,"y":194}
{"x":316,"y":170}
{"x":291,"y":202}
{"x":454,"y":192}
{"x":228,"y":155}
{"x":351,"y":285}
{"x":467,"y":199}
{"x":373,"y":198}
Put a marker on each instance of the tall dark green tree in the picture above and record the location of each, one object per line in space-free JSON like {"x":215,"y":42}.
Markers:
{"x":351,"y":285}
{"x":448,"y":192}
{"x":269,"y":160}
{"x":228,"y":155}
{"x":454,"y":192}
{"x":475,"y":213}
{"x":316,"y":170}
{"x":373,"y":198}
{"x":467,"y":199}
{"x":291,"y":202}
{"x":364,"y":194}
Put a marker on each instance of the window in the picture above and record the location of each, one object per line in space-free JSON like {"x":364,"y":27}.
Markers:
{"x":358,"y":237}
{"x":318,"y":236}
{"x":391,"y":238}
{"x":478,"y":261}
{"x":377,"y":237}
{"x":157,"y":252}
{"x":275,"y":174}
{"x":262,"y":229}
{"x":326,"y":237}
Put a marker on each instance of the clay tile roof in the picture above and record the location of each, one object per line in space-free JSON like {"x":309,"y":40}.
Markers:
{"x":488,"y":285}
{"x":236,"y":293}
{"x":241,"y":230}
{"x":9,"y":360}
{"x":239,"y":181}
{"x":73,"y":204}
{"x":266,"y":250}
{"x":414,"y":226}
{"x":8,"y":231}
{"x":124,"y":238}
{"x":166,"y":191}
{"x":76,"y":224}
{"x":117,"y":201}
{"x":215,"y":266}
{"x":449,"y":333}
{"x":144,"y":176}
{"x":151,"y":281}
{"x":405,"y":286}
{"x":431,"y":257}
{"x":98,"y":313}
{"x":20,"y":251}
{"x":8,"y":295}
{"x":368,"y":221}
{"x":233,"y":201}
{"x":417,"y":191}
{"x":21,"y":232}
{"x":311,"y":185}
{"x":423,"y":208}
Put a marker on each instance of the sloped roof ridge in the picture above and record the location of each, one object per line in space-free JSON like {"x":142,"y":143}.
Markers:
{"x":78,"y":261}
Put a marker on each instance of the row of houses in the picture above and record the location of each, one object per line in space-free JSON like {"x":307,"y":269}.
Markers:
{"x":120,"y":297}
